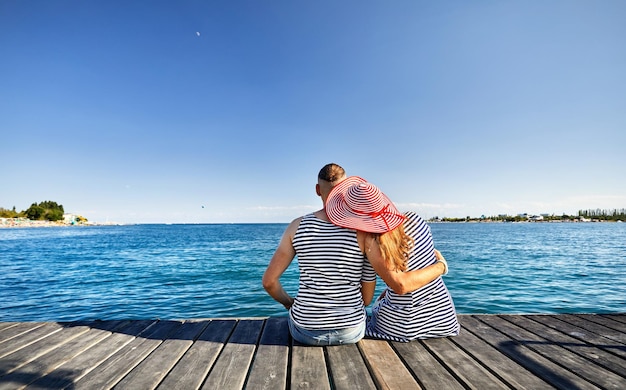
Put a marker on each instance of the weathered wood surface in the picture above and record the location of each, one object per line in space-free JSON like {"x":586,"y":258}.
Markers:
{"x":492,"y":352}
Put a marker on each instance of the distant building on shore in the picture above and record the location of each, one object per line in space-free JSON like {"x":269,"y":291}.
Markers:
{"x":74,"y":219}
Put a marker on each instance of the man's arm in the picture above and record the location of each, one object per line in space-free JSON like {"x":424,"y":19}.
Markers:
{"x":400,"y":282}
{"x":367,"y":291}
{"x":281,"y":259}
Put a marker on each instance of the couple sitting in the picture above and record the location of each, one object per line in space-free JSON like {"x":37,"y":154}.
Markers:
{"x":340,"y":249}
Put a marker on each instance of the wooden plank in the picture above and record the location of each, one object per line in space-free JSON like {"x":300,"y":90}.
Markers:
{"x":541,"y":366}
{"x":74,"y":369}
{"x":559,"y":337}
{"x":607,"y":321}
{"x":38,"y":366}
{"x":569,"y":352}
{"x":511,"y":351}
{"x":498,"y":363}
{"x":231,"y":367}
{"x":464,"y":367}
{"x":308,"y":368}
{"x":17,"y":329}
{"x":387,"y":369}
{"x":40,"y":347}
{"x":151,"y":371}
{"x":577,"y":332}
{"x":4,"y":325}
{"x":616,"y":317}
{"x":193,"y":367}
{"x":425,"y":367}
{"x":347,"y":368}
{"x":109,"y":372}
{"x":592,"y":326}
{"x":269,"y":369}
{"x":27,"y":335}
{"x":569,"y":360}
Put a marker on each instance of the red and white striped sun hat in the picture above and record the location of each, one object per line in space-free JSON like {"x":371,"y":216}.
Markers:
{"x":356,"y":204}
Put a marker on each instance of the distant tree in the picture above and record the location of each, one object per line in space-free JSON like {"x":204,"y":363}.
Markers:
{"x":54,"y":215}
{"x":5,"y":213}
{"x":608,"y":215}
{"x":51,"y":211}
{"x":49,"y":205}
{"x":35,"y":212}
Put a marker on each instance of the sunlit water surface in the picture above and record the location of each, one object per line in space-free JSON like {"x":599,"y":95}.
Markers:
{"x":210,"y":271}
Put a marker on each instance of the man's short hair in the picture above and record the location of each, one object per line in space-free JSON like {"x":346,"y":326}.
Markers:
{"x":331,"y":173}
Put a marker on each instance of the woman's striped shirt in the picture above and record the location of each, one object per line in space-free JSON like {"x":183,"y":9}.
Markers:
{"x":331,"y":268}
{"x":425,"y":313}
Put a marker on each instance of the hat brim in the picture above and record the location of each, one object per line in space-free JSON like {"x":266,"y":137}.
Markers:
{"x":340,"y":214}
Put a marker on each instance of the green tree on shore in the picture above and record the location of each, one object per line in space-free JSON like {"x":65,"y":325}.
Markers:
{"x":4,"y":213}
{"x":591,"y":214}
{"x":46,"y":210}
{"x":607,"y":215}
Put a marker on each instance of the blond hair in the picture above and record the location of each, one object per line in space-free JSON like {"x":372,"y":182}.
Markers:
{"x":394,"y":247}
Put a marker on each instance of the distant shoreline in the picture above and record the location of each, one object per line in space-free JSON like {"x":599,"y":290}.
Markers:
{"x":554,"y":221}
{"x":8,"y":223}
{"x":27,"y":223}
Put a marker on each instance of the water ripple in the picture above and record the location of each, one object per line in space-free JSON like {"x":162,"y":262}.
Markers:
{"x":207,"y":271}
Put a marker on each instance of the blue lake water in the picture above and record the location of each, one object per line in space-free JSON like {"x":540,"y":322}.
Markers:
{"x":211,"y":271}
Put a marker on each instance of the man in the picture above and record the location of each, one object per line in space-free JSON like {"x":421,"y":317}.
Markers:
{"x":329,"y":308}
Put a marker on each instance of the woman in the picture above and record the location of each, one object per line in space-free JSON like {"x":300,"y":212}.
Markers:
{"x":394,"y":243}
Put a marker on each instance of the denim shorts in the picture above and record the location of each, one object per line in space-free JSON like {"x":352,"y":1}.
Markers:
{"x":371,"y":319}
{"x":327,"y":336}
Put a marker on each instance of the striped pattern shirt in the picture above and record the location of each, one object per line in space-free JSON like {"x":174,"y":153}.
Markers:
{"x":425,"y":313}
{"x":331,"y":269}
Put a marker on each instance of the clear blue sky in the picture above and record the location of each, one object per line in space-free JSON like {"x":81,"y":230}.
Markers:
{"x":148,"y":111}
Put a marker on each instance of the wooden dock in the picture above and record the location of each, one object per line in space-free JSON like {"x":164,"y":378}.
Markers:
{"x":492,"y":352}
